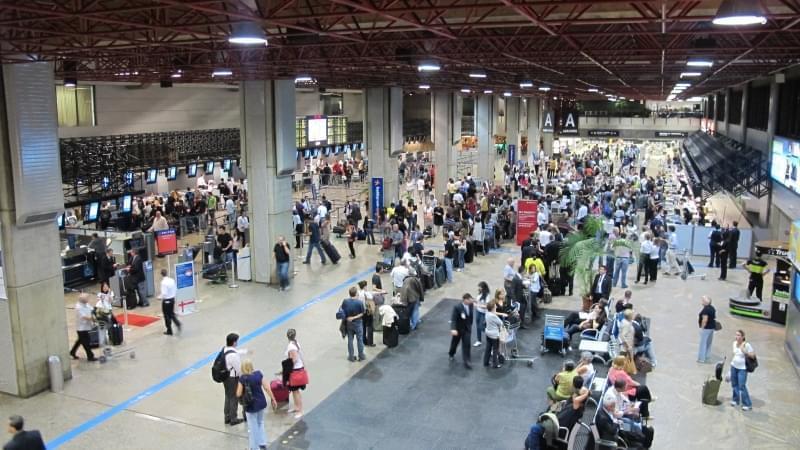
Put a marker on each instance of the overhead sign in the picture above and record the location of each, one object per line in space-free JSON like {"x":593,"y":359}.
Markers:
{"x":376,"y":197}
{"x":512,"y":154}
{"x":569,"y":123}
{"x":604,"y":133}
{"x":526,"y":219}
{"x":167,"y":242}
{"x":671,"y":134}
{"x":548,"y":123}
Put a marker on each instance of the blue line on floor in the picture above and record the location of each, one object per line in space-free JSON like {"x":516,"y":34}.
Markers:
{"x":116,"y":409}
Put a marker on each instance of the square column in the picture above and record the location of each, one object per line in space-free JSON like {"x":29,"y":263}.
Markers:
{"x":533,"y":125}
{"x":269,"y":155}
{"x":32,"y":316}
{"x":484,"y":129}
{"x":547,"y":137}
{"x":512,"y":125}
{"x":383,"y":134}
{"x":446,"y":111}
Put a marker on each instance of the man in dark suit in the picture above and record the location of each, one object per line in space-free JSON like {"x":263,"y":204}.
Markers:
{"x":461,"y":329}
{"x":607,"y":426}
{"x":22,"y":440}
{"x":733,"y":244}
{"x":601,"y":286}
{"x":136,"y":272}
{"x":714,"y":242}
{"x":106,"y":266}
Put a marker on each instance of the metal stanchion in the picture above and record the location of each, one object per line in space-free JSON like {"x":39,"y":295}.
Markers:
{"x":233,"y":284}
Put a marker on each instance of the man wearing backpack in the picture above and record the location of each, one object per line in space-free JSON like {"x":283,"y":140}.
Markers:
{"x":226,"y":370}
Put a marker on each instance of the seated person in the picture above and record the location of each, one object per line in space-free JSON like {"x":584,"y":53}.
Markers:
{"x":544,"y":432}
{"x":585,"y":368}
{"x":642,"y":344}
{"x":626,"y":416}
{"x":597,"y":318}
{"x":569,"y":415}
{"x":609,"y":427}
{"x":562,"y":388}
{"x":634,"y":389}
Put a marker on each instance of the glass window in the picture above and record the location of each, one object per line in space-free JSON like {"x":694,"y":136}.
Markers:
{"x":735,"y":108}
{"x":75,"y":106}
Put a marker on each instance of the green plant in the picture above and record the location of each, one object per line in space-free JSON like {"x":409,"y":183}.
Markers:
{"x":581,"y":248}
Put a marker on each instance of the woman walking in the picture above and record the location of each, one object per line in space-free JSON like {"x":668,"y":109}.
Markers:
{"x":294,"y":354}
{"x":480,"y":310}
{"x":493,"y":327}
{"x":254,"y":385}
{"x":741,"y":351}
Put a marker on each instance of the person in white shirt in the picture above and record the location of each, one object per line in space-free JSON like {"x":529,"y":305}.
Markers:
{"x":545,"y":236}
{"x":322,"y":210}
{"x":159,"y":223}
{"x":233,"y":362}
{"x":741,"y":351}
{"x":399,"y":273}
{"x":168,"y":291}
{"x":242,"y":224}
{"x":672,"y":246}
{"x":645,"y":249}
{"x":84,"y":323}
{"x":583,"y":211}
{"x":230,"y":208}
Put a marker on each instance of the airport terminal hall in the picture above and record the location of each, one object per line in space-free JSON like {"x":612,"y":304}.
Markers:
{"x":399,"y":224}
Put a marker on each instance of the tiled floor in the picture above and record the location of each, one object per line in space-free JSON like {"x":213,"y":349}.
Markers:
{"x":165,"y":398}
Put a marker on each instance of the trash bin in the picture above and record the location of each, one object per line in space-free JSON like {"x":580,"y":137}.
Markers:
{"x":56,"y":374}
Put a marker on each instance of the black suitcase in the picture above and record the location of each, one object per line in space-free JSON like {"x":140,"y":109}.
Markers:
{"x":427,"y":281}
{"x":115,"y":334}
{"x":404,"y":320}
{"x":557,"y":287}
{"x":94,"y":337}
{"x":440,"y":276}
{"x":331,"y":251}
{"x":469,"y":255}
{"x":391,"y":335}
{"x":338,"y":231}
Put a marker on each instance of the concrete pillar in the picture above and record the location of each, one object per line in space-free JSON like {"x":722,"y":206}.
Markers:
{"x":484,"y":130}
{"x":726,"y":112}
{"x":269,"y":155}
{"x":498,"y":121}
{"x":547,"y":138}
{"x":534,"y":126}
{"x":765,"y":211}
{"x":32,"y":315}
{"x":383,"y":134}
{"x":745,"y":101}
{"x":512,"y":125}
{"x":446,"y":111}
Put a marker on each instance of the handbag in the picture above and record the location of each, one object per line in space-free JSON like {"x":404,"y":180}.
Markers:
{"x":717,"y":325}
{"x":630,"y":365}
{"x":340,"y":314}
{"x":751,"y":363}
{"x":298,"y":378}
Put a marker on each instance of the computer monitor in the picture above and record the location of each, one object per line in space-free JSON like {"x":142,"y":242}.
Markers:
{"x":171,"y":173}
{"x":128,"y":178}
{"x":328,"y":151}
{"x":93,"y":209}
{"x":209,"y":167}
{"x":191,"y":170}
{"x":227,"y":164}
{"x":307,"y":153}
{"x":60,"y":221}
{"x":105,"y":183}
{"x":347,"y":147}
{"x":338,"y":149}
{"x":151,"y":176}
{"x":126,"y":204}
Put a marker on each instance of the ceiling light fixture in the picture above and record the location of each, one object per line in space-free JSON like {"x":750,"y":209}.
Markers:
{"x":70,"y":82}
{"x":526,"y":84}
{"x":544,"y":88}
{"x":506,"y":94}
{"x":222,"y":73}
{"x":699,"y":63}
{"x":487,"y":91}
{"x":477,"y":74}
{"x":739,"y":12}
{"x":690,"y":74}
{"x":429,"y":66}
{"x":303,"y":79}
{"x":247,"y":33}
{"x":683,"y":84}
{"x":592,"y":90}
{"x":466,"y":91}
{"x":424,"y":86}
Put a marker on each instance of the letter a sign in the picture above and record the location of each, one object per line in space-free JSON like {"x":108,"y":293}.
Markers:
{"x":569,"y":125}
{"x":547,"y":124}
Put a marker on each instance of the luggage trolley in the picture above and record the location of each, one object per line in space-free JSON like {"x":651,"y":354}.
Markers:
{"x":685,"y":268}
{"x":509,"y":348}
{"x":553,"y":335}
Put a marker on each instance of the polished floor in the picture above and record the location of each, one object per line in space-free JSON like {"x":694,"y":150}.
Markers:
{"x":165,"y":398}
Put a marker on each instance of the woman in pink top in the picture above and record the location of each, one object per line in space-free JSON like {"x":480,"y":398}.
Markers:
{"x":634,"y":389}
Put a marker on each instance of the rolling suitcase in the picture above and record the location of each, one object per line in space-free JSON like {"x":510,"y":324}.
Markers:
{"x":440,"y":276}
{"x":391,"y":335}
{"x":331,"y":252}
{"x":427,"y":281}
{"x":404,"y":318}
{"x":712,"y":384}
{"x":115,"y":334}
{"x":469,"y":255}
{"x":279,"y":391}
{"x":94,"y":337}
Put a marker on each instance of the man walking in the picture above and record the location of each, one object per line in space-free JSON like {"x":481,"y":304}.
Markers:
{"x":353,"y":310}
{"x":461,"y":329}
{"x":84,"y":324}
{"x":233,"y":364}
{"x":281,"y":251}
{"x":314,"y":240}
{"x":707,"y":323}
{"x":168,"y":291}
{"x":21,"y":439}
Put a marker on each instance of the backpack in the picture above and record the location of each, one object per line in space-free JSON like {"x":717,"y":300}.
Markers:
{"x":219,"y":370}
{"x":247,"y":393}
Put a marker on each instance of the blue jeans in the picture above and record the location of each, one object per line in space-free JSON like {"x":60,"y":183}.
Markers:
{"x":255,"y":429}
{"x":621,"y":271}
{"x":610,"y":266}
{"x":283,"y":274}
{"x":460,"y":258}
{"x":480,"y":323}
{"x":448,"y":267}
{"x":706,"y":337}
{"x":312,"y":246}
{"x":414,"y":315}
{"x":355,"y":329}
{"x":739,"y":385}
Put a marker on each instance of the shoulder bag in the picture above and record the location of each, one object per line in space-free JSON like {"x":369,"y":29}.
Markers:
{"x":298,"y":378}
{"x":751,"y":363}
{"x":717,"y":325}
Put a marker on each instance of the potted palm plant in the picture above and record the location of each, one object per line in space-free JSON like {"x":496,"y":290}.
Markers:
{"x":578,"y":253}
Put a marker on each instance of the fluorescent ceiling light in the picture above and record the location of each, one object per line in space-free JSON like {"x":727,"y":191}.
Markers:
{"x":247,"y":33}
{"x":526,"y":84}
{"x":609,"y":95}
{"x":429,"y":66}
{"x":424,"y":86}
{"x":506,"y":94}
{"x":544,"y":88}
{"x":690,"y":74}
{"x":487,"y":91}
{"x":70,"y":82}
{"x":303,"y":79}
{"x":695,"y":99}
{"x":222,"y":73}
{"x":592,"y":90}
{"x":683,"y":84}
{"x":622,"y":98}
{"x":466,"y":91}
{"x":739,"y":12}
{"x":477,"y":74}
{"x":699,"y":63}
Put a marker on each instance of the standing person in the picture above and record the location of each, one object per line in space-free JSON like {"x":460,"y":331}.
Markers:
{"x":724,"y":253}
{"x":136,"y":274}
{"x":601,"y":287}
{"x":230,"y":208}
{"x":243,"y":224}
{"x":707,"y":322}
{"x":233,"y":364}
{"x":493,"y":325}
{"x":480,"y":311}
{"x":168,"y":291}
{"x":281,"y":252}
{"x":461,"y":329}
{"x":397,"y":237}
{"x":369,"y":311}
{"x":714,"y":241}
{"x":741,"y":351}
{"x":757,"y":268}
{"x":438,"y":219}
{"x":106,"y":265}
{"x":449,"y":255}
{"x":105,"y":305}
{"x":21,"y":439}
{"x":655,"y":257}
{"x":84,"y":324}
{"x":644,"y":258}
{"x":353,"y":315}
{"x":733,"y":244}
{"x":672,"y":246}
{"x":351,"y":239}
{"x":314,"y":240}
{"x":622,"y":257}
{"x":297,"y":222}
{"x":225,"y":243}
{"x":369,"y":226}
{"x":254,"y":410}
{"x":295,"y":357}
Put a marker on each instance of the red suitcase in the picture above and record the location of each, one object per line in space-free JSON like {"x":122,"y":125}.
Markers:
{"x":279,"y":391}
